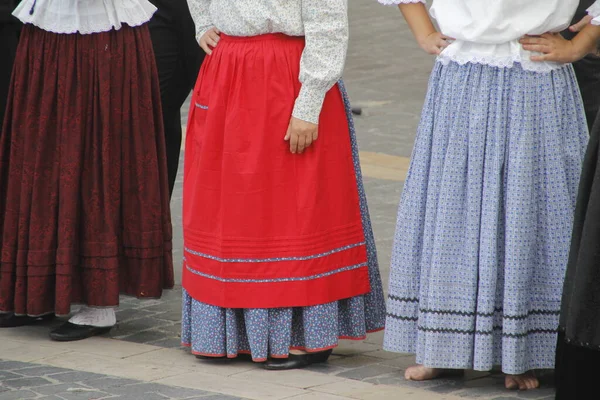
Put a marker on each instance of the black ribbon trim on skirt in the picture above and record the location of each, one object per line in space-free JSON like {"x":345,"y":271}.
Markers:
{"x":472,"y":313}
{"x":487,"y":333}
{"x":404,"y":299}
{"x":402,"y":318}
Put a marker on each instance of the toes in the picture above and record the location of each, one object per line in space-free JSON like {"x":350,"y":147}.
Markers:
{"x":513,"y":383}
{"x":521,"y":382}
{"x":532,"y":383}
{"x":412,"y":373}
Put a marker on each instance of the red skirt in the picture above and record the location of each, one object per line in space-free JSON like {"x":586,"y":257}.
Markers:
{"x":263,"y":227}
{"x":84,"y":210}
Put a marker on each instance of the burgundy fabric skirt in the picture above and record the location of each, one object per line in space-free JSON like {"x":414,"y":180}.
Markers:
{"x":84,"y":205}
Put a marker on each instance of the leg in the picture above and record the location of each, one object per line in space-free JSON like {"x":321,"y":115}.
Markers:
{"x":177,"y":73}
{"x":173,"y":134}
{"x":576,"y":371}
{"x":8,"y":46}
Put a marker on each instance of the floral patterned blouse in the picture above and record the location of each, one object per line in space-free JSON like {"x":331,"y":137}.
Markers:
{"x":324,"y":24}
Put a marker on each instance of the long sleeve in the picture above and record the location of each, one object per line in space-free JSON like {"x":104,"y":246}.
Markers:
{"x":594,"y":11}
{"x":326,"y":32}
{"x":200,"y":11}
{"x":397,"y":2}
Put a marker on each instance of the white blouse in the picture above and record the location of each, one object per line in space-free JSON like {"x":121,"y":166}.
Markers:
{"x":488,"y":32}
{"x":84,"y":16}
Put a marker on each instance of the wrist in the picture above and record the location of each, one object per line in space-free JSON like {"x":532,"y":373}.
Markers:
{"x":422,"y":37}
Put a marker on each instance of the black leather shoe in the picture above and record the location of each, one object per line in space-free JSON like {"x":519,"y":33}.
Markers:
{"x":240,"y":356}
{"x":10,"y":320}
{"x":295,"y":361}
{"x":69,"y":332}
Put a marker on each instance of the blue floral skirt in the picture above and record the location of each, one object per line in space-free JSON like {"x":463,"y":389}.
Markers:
{"x":484,"y":222}
{"x":224,"y":332}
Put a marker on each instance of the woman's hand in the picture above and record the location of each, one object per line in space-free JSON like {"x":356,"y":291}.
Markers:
{"x":209,"y":40}
{"x":553,"y":47}
{"x":434,"y":43}
{"x":581,"y":24}
{"x":301,"y":135}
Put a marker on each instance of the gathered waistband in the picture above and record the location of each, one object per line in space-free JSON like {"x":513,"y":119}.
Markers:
{"x":257,"y":38}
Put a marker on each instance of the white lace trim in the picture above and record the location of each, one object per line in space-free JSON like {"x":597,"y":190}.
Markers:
{"x":594,"y":11}
{"x":396,"y":2}
{"x":84,"y":16}
{"x":496,"y":55}
{"x":500,"y":62}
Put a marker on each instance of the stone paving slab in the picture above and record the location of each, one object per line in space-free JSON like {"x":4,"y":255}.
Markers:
{"x":22,"y":380}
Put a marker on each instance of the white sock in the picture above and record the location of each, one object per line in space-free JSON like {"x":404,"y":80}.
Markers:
{"x":99,"y":317}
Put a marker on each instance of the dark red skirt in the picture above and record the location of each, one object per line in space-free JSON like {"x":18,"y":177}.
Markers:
{"x":263,"y":227}
{"x":84,"y":210}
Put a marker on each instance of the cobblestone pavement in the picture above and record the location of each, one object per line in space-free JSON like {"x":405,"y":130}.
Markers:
{"x":386,"y":76}
{"x":19,"y":380}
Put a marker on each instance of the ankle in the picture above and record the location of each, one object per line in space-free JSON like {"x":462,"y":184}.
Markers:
{"x":98,"y":317}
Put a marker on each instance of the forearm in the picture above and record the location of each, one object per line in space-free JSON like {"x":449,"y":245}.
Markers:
{"x":324,"y":55}
{"x":418,"y":20}
{"x":586,"y":41}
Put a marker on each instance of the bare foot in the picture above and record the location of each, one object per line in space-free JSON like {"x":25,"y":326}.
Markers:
{"x":526,"y":381}
{"x":421,"y":373}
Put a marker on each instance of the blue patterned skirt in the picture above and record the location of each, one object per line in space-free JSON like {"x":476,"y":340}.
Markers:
{"x":485,"y":218}
{"x":224,"y":332}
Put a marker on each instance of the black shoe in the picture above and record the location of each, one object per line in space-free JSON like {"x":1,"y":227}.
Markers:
{"x":69,"y":332}
{"x":240,"y":356}
{"x":295,"y":361}
{"x":10,"y":320}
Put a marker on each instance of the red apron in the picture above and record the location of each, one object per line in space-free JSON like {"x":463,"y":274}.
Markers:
{"x":263,"y":227}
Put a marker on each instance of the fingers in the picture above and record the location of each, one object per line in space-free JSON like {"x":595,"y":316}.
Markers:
{"x":213,"y":38}
{"x":581,"y":24}
{"x":308,"y":141}
{"x":205,"y":47}
{"x":294,"y":143}
{"x":301,"y":144}
{"x":301,"y":135}
{"x":543,"y":57}
{"x":540,"y":44}
{"x":209,"y":40}
{"x":533,"y":40}
{"x":288,"y":134}
{"x":442,"y":43}
{"x":539,"y":48}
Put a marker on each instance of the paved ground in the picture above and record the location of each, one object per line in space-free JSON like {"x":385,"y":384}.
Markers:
{"x":141,"y":359}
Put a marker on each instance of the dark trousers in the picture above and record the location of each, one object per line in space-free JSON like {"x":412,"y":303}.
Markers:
{"x":588,"y":78}
{"x":178,"y":59}
{"x":588,"y":72}
{"x":8,"y":48}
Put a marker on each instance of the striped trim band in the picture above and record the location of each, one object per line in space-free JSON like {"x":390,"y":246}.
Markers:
{"x":278,"y":259}
{"x":298,"y":279}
